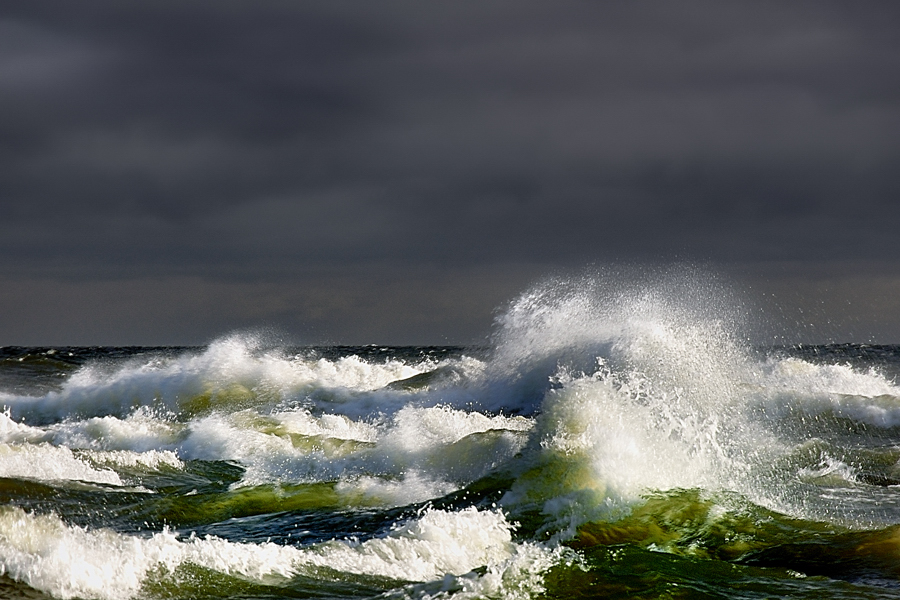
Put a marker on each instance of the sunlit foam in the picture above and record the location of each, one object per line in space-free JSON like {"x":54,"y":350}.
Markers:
{"x":438,"y":543}
{"x":596,"y":393}
{"x":230,"y":373}
{"x":12,"y":432}
{"x":521,"y":576}
{"x":152,"y":459}
{"x":642,"y":391}
{"x":69,"y":562}
{"x":645,"y":386}
{"x":139,"y":432}
{"x":301,"y":422}
{"x":419,"y":453}
{"x":787,"y":385}
{"x":44,"y":462}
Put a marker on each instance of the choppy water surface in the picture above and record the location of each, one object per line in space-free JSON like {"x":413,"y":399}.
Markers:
{"x":625,"y":443}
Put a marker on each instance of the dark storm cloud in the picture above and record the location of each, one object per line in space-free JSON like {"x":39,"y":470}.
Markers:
{"x":311,"y":141}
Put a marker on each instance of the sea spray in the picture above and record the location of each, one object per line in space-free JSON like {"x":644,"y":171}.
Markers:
{"x":621,"y":437}
{"x":641,"y":394}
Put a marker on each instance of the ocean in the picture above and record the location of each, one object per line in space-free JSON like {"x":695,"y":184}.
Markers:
{"x":604,"y":442}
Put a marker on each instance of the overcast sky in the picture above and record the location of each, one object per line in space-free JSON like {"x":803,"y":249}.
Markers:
{"x":393,"y":172}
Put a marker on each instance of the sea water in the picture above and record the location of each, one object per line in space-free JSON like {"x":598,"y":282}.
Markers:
{"x":609,"y":440}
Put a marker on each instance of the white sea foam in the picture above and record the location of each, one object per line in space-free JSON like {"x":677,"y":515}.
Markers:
{"x":421,"y":429}
{"x":416,"y":454}
{"x":330,"y":426}
{"x":519,"y":577}
{"x":139,"y":432}
{"x":419,"y":453}
{"x":354,"y":373}
{"x":652,"y":389}
{"x":231,"y":372}
{"x":43,"y":462}
{"x":792,"y":385}
{"x":411,"y":487}
{"x":599,"y":448}
{"x":594,"y":396}
{"x":642,"y":393}
{"x":152,"y":459}
{"x":46,"y":454}
{"x":619,"y":390}
{"x":13,"y":432}
{"x":69,"y":562}
{"x":831,"y":471}
{"x":428,"y":548}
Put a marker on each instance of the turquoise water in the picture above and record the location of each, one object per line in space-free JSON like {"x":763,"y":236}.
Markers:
{"x":624,"y":445}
